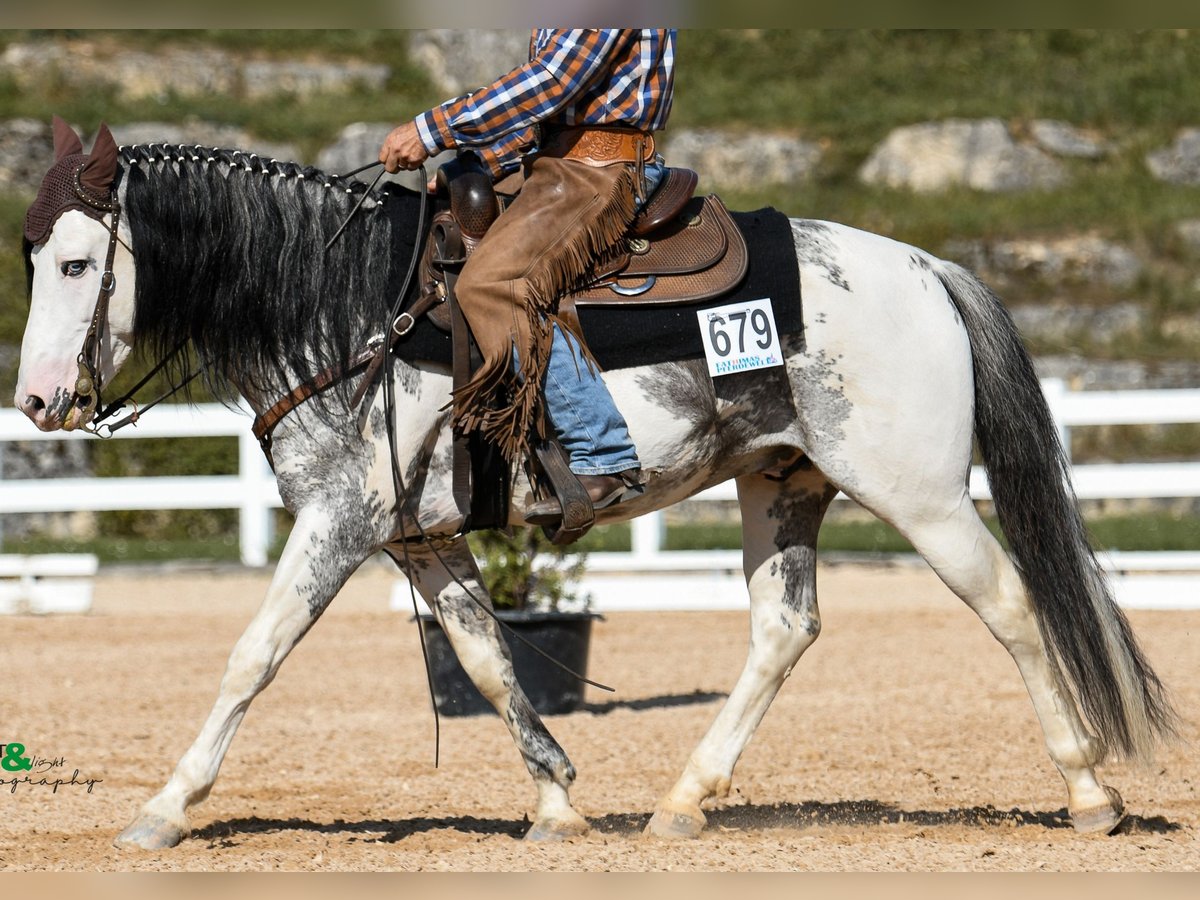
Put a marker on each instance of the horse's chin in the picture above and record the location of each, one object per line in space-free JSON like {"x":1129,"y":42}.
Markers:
{"x":75,"y":419}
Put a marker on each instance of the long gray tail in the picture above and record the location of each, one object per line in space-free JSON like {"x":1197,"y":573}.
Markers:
{"x":1029,"y":474}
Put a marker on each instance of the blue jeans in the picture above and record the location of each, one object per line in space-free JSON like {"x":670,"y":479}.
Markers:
{"x":589,"y":426}
{"x":579,"y":406}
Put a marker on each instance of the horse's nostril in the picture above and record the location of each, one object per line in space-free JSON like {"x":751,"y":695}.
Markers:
{"x":34,"y":404}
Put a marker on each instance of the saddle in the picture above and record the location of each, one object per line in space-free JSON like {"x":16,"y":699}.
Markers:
{"x":680,"y":249}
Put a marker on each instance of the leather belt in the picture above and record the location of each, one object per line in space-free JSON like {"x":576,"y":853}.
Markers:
{"x":597,"y":146}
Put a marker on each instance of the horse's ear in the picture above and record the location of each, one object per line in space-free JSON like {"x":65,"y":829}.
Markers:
{"x":101,"y":168}
{"x":66,"y":141}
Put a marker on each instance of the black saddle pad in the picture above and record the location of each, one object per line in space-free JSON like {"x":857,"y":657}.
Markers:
{"x":623,"y":337}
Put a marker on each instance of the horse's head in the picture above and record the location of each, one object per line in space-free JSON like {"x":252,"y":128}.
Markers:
{"x":68,"y":235}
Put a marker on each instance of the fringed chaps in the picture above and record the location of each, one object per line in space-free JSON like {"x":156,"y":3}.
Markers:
{"x":566,"y":218}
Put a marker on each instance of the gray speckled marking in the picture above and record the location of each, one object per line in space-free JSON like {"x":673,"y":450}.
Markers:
{"x":356,"y":526}
{"x":729,"y":417}
{"x":334,"y":480}
{"x":408,"y":379}
{"x":377,"y":423}
{"x":814,"y":249}
{"x":543,"y":756}
{"x":799,"y":514}
{"x":820,"y":397}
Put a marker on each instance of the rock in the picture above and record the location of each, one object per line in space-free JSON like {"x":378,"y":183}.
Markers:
{"x":1188,"y":232}
{"x":1066,"y":260}
{"x":264,"y":78}
{"x":460,"y":60}
{"x":1184,"y":327}
{"x":26,"y":153}
{"x":740,"y":161}
{"x":185,"y":71}
{"x":1059,"y":324}
{"x":1179,"y":163}
{"x":980,"y":154}
{"x":1064,"y":139}
{"x":359,"y":143}
{"x":206,"y":134}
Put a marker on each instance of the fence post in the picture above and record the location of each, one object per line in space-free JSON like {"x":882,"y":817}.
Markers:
{"x":255,"y":520}
{"x":1055,"y":390}
{"x":646,"y":534}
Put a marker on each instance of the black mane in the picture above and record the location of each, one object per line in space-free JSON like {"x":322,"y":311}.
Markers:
{"x":230,"y":255}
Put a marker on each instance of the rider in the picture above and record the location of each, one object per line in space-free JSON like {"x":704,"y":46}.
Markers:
{"x":578,"y":119}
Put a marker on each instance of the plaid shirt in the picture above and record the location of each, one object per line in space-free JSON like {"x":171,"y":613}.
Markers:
{"x":577,"y":77}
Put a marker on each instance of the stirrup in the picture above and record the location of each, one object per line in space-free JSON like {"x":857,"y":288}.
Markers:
{"x":578,"y":513}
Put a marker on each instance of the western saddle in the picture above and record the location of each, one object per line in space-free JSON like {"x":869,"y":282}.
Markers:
{"x":680,"y":249}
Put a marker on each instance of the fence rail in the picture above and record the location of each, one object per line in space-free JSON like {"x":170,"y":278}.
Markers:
{"x":253,"y":493}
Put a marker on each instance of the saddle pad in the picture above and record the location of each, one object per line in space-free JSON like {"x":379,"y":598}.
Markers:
{"x":622,"y":337}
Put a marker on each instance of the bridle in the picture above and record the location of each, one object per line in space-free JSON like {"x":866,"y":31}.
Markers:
{"x":89,"y":382}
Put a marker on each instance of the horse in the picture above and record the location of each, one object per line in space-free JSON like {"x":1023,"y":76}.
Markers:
{"x":904,"y":361}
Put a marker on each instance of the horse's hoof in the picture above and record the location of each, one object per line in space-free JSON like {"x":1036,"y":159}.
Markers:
{"x":557,"y":829}
{"x":149,"y":832}
{"x":674,"y":825}
{"x":1100,"y":819}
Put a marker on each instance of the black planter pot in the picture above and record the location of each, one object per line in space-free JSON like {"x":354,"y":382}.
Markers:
{"x":565,"y":636}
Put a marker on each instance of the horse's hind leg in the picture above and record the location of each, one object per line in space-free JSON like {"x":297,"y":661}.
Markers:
{"x":443,"y":580}
{"x":973,"y":564}
{"x":303,"y":585}
{"x":779,"y":532}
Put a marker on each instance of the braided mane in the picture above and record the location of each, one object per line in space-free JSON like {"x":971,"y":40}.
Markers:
{"x":230,"y":255}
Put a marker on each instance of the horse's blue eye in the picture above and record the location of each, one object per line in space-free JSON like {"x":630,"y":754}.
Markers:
{"x":74,"y":268}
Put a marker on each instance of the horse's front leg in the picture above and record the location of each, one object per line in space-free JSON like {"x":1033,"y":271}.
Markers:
{"x":444,"y":579}
{"x":305,"y":581}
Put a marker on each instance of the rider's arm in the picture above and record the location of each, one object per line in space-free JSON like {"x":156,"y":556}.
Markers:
{"x":562,"y":64}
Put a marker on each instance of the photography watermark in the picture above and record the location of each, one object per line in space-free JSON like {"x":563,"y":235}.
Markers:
{"x":18,"y":769}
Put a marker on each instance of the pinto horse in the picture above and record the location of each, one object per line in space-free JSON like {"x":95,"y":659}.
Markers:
{"x":902,"y":360}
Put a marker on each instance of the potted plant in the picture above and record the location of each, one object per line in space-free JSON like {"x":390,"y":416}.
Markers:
{"x":534,"y":589}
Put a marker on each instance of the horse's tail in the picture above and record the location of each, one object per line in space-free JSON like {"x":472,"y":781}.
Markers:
{"x":1029,"y":474}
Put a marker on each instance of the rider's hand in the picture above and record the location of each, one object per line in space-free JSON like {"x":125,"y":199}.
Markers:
{"x":403,"y":149}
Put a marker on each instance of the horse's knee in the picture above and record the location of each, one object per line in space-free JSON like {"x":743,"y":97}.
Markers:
{"x":783,"y":603}
{"x":252,"y":665}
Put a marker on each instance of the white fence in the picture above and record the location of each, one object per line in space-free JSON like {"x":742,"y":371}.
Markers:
{"x":252,"y":490}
